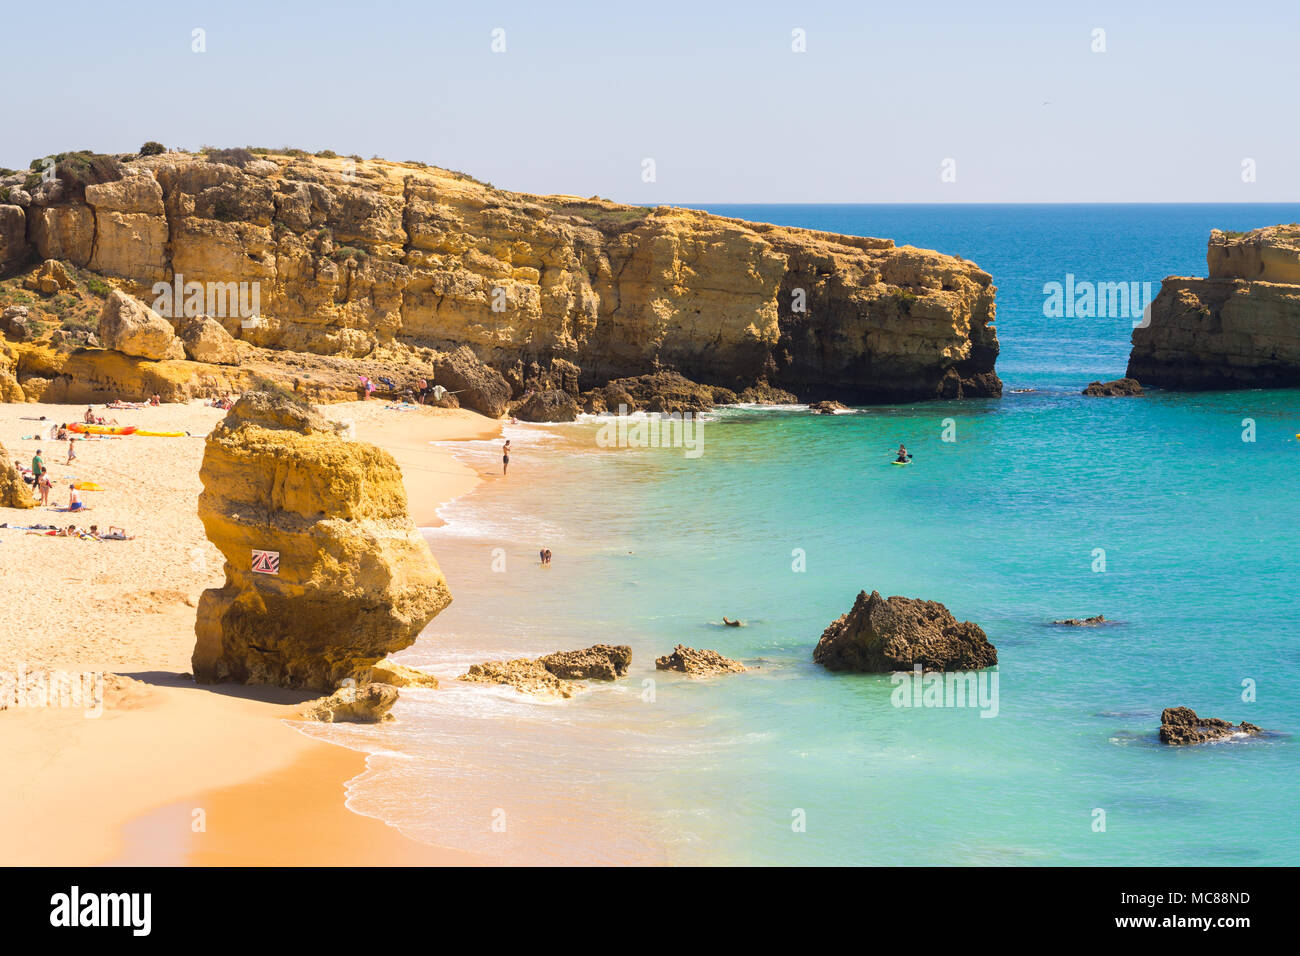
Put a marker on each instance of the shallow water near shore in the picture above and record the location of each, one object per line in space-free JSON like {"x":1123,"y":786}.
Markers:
{"x":786,"y":516}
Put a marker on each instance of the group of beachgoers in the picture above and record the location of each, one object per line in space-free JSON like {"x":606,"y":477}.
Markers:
{"x":422,"y":392}
{"x":88,"y":534}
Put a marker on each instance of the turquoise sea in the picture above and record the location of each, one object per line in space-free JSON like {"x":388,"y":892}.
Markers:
{"x":1008,"y":525}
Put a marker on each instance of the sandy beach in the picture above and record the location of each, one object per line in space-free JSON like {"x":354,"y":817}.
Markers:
{"x":166,"y":771}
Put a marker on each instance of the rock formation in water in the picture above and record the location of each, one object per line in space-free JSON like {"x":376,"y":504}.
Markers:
{"x":554,"y":674}
{"x":698,"y":663}
{"x":1180,"y":725}
{"x":14,"y":492}
{"x":376,"y":259}
{"x":827,"y":407}
{"x":399,"y":675}
{"x":1239,"y":328}
{"x":1119,"y":388}
{"x":880,"y":635}
{"x":363,"y":704}
{"x":1096,"y":621}
{"x":354,"y":579}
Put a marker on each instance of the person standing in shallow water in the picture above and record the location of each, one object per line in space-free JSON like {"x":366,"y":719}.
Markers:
{"x":505,"y":457}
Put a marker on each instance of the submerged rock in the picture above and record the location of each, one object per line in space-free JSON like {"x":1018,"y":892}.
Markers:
{"x":697,"y":663}
{"x":399,"y":675}
{"x":1081,"y":621}
{"x":598,"y":662}
{"x":880,"y":635}
{"x":524,"y":675}
{"x":551,"y":405}
{"x":553,"y":675}
{"x":325,"y":571}
{"x":1119,"y":388}
{"x":367,"y":704}
{"x":1180,"y":725}
{"x":826,"y":408}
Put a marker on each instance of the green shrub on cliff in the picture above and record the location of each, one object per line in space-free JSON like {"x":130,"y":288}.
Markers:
{"x":238,"y":157}
{"x":152,"y":148}
{"x":76,"y":170}
{"x":343,"y":253}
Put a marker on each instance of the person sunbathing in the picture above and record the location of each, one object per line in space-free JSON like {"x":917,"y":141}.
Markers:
{"x":74,"y":500}
{"x":115,"y":534}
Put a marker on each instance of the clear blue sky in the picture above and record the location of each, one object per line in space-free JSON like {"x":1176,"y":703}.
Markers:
{"x":711,"y":92}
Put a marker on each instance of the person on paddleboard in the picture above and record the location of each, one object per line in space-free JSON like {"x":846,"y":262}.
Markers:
{"x":902,"y":453}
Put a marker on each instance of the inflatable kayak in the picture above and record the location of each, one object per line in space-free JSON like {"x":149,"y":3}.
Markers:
{"x":102,"y":429}
{"x":153,"y":434}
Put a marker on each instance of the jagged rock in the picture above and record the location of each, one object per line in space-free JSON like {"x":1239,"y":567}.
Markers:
{"x":355,"y":580}
{"x":880,"y":635}
{"x":20,"y":197}
{"x":417,"y":258}
{"x":764,"y":394}
{"x":553,"y":675}
{"x":50,"y":278}
{"x":13,"y":321}
{"x":552,"y":405}
{"x":399,"y":675}
{"x":13,"y":237}
{"x":661,"y":391}
{"x":598,"y":662}
{"x":366,"y":704}
{"x":1081,"y":622}
{"x":129,"y":326}
{"x":1238,"y":328}
{"x":697,"y":663}
{"x":524,"y":675}
{"x":1180,"y":725}
{"x":826,"y":408}
{"x":477,"y":386}
{"x":206,"y":340}
{"x":14,"y":492}
{"x":1119,"y":388}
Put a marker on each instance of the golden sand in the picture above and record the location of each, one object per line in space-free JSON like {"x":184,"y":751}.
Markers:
{"x":124,"y":785}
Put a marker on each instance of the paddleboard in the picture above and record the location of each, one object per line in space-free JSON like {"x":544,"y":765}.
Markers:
{"x":153,"y":434}
{"x":102,"y":429}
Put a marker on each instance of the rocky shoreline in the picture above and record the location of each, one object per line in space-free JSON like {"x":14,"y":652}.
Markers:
{"x":397,"y":264}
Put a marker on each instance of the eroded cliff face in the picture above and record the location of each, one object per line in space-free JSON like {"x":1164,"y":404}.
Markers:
{"x":353,"y":257}
{"x":354,"y":579}
{"x":1238,"y":328}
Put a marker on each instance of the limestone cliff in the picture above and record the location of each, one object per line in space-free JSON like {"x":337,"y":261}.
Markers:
{"x":1238,"y":328}
{"x":353,"y":256}
{"x":355,"y":580}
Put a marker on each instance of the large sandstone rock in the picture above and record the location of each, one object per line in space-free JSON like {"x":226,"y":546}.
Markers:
{"x":697,"y":663}
{"x":399,"y":675}
{"x":553,"y":405}
{"x":1239,"y":328}
{"x":62,"y":232}
{"x":206,"y":340}
{"x":1180,"y":725}
{"x":13,"y":238}
{"x":131,"y":230}
{"x":14,"y":492}
{"x":477,"y":386}
{"x":356,"y":580}
{"x":129,"y":326}
{"x":50,"y":278}
{"x":364,"y":704}
{"x":351,"y":260}
{"x":880,"y":635}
